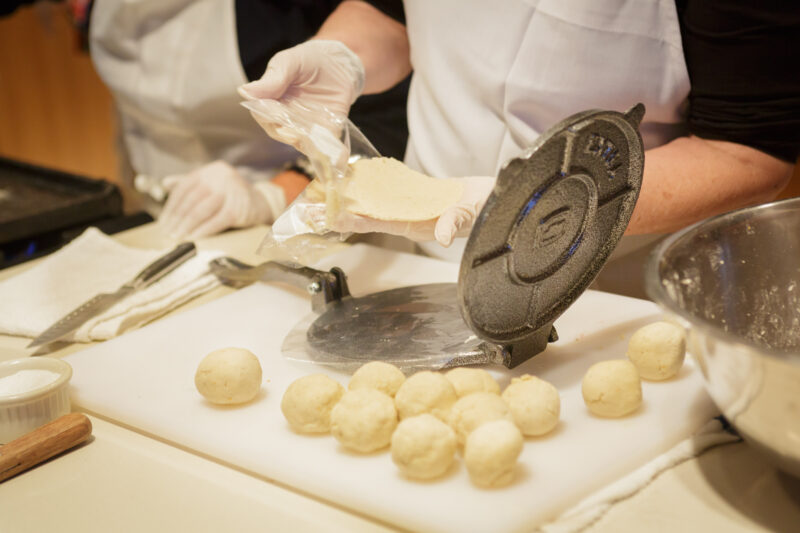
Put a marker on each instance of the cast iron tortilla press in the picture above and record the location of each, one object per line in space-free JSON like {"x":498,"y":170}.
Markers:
{"x":555,"y":215}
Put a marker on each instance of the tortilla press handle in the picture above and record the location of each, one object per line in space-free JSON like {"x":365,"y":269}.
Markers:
{"x":324,"y":287}
{"x":43,"y":443}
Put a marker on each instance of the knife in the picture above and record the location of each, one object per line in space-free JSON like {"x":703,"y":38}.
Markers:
{"x":149,"y":275}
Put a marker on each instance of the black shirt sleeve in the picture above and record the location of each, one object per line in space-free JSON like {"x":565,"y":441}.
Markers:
{"x":392,"y":8}
{"x":7,"y":7}
{"x":265,"y":27}
{"x":743,"y":59}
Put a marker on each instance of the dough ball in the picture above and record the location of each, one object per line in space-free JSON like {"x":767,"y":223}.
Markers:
{"x":228,"y":376}
{"x":377,"y":375}
{"x":468,"y":380}
{"x":364,"y":420}
{"x":475,"y":409}
{"x":612,"y":388}
{"x":425,"y":392}
{"x":423,"y":447}
{"x":534,"y":403}
{"x":491,"y":453}
{"x":657,"y":350}
{"x":308,"y":401}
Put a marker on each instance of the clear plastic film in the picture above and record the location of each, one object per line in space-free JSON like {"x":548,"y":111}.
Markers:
{"x":414,"y":328}
{"x":331,"y":143}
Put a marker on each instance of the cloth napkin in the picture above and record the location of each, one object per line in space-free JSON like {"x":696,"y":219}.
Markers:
{"x":90,"y":264}
{"x":591,"y":509}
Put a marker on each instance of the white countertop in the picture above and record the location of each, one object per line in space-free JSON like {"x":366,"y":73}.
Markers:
{"x":122,"y":480}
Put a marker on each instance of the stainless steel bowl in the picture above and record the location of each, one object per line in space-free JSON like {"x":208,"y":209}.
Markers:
{"x":734,"y":282}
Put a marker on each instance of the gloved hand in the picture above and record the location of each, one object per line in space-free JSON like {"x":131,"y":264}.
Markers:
{"x":316,"y":75}
{"x":304,"y":96}
{"x":216,"y":197}
{"x":455,"y":221}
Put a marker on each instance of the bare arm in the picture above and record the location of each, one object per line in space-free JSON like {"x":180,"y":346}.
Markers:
{"x":378,"y":40}
{"x":690,"y":179}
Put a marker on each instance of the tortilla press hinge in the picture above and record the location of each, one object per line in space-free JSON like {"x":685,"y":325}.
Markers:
{"x":518,"y":352}
{"x":326,"y":287}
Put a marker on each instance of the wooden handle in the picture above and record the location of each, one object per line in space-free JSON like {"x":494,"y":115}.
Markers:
{"x":43,"y":443}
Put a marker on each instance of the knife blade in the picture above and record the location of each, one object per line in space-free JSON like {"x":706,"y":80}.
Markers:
{"x":96,"y":305}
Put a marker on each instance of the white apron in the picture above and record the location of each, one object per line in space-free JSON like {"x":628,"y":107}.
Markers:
{"x":498,"y":74}
{"x":173,"y":68}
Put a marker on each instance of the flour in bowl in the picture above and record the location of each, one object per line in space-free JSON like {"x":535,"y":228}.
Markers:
{"x":26,"y":380}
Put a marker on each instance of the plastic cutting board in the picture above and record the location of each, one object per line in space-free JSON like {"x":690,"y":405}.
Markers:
{"x":145,"y":380}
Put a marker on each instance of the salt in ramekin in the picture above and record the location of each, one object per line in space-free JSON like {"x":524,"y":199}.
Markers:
{"x":25,"y":411}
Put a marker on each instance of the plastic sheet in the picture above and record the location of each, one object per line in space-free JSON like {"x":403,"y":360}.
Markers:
{"x":331,"y":143}
{"x":414,"y":328}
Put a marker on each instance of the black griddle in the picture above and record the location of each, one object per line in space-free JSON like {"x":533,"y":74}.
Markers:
{"x":42,"y":208}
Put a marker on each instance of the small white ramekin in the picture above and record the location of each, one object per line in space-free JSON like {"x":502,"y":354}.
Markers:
{"x":23,"y":412}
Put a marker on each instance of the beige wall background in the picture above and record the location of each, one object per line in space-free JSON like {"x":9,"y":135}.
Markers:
{"x":55,"y":110}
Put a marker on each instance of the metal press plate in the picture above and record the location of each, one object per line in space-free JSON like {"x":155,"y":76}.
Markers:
{"x":555,"y":215}
{"x":411,"y":327}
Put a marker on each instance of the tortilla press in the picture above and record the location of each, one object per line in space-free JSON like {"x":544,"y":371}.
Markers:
{"x":555,"y":215}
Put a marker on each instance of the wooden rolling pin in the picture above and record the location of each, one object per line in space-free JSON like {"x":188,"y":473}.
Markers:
{"x":43,"y":443}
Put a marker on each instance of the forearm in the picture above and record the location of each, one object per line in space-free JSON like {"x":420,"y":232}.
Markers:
{"x":379,"y":41}
{"x":690,"y":179}
{"x":291,"y":182}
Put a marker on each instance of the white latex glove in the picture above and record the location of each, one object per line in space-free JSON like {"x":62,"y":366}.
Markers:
{"x":216,"y":197}
{"x":316,"y":74}
{"x":455,"y":221}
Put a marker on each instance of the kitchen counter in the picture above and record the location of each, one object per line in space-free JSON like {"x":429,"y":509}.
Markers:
{"x":123,"y":480}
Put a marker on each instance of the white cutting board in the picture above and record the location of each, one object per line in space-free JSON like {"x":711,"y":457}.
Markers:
{"x":145,"y":380}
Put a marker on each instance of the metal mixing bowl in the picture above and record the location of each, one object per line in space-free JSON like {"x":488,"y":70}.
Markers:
{"x":734,"y":282}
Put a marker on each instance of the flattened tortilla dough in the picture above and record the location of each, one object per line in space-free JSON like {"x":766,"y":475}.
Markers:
{"x":384,"y":188}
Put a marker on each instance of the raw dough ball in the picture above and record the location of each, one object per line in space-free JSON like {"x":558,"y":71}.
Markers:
{"x":475,"y":409}
{"x":423,"y":447}
{"x":377,"y":375}
{"x":612,"y":388}
{"x":491,"y":453}
{"x":657,"y":350}
{"x":308,"y":401}
{"x":534,"y":403}
{"x":228,"y":376}
{"x":425,"y":392}
{"x":364,"y":420}
{"x":469,"y":380}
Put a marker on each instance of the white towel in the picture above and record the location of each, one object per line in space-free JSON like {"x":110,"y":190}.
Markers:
{"x":93,"y":263}
{"x":592,"y":508}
